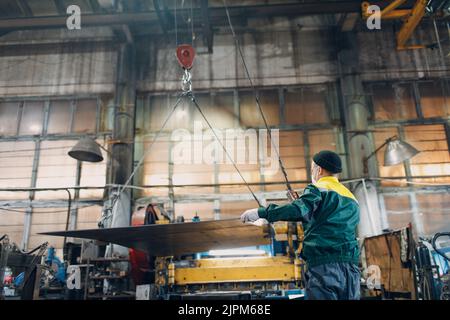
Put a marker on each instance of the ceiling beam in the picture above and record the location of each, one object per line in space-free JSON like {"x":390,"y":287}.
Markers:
{"x":216,"y":14}
{"x":161,"y":18}
{"x":207,"y":29}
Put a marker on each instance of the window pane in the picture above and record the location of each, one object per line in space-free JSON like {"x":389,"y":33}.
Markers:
{"x":218,"y":109}
{"x":234,"y":209}
{"x":432,"y":100}
{"x":435,"y":210}
{"x":47,"y":220}
{"x":250,"y":115}
{"x":434,"y":157}
{"x":88,"y":217}
{"x":393,"y":101}
{"x":398,"y":210}
{"x":184,"y":174}
{"x":242,"y":146}
{"x":292,"y":153}
{"x":305,"y":105}
{"x":11,"y":223}
{"x":93,"y":174}
{"x":16,"y":167}
{"x":205,"y":210}
{"x":155,"y":112}
{"x":85,"y":116}
{"x":59,"y":118}
{"x":56,"y":168}
{"x":321,"y":140}
{"x":8,"y":118}
{"x":32,"y":118}
{"x":156,"y":168}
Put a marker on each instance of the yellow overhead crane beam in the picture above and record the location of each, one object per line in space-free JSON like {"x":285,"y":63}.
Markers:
{"x":411,"y":19}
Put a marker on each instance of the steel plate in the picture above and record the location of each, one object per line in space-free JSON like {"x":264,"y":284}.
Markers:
{"x":178,"y":238}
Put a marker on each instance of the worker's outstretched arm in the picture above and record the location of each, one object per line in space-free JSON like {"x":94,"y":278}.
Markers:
{"x":300,"y":209}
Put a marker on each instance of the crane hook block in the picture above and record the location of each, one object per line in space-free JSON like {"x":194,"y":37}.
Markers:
{"x":185,"y":56}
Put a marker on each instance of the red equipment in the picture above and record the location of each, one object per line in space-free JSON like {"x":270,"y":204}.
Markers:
{"x":185,"y":56}
{"x":141,"y":262}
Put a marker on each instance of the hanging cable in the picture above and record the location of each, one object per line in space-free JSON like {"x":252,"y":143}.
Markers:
{"x":138,"y":165}
{"x":224,"y":149}
{"x":176,"y":25}
{"x":192,"y":23}
{"x":291,"y":192}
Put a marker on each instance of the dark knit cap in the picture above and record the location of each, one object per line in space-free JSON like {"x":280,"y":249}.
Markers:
{"x":328,"y":160}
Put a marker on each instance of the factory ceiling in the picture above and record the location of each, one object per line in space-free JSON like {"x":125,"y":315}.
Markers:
{"x":133,"y":18}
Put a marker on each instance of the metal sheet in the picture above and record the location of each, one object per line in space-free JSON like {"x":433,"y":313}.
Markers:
{"x":178,"y":238}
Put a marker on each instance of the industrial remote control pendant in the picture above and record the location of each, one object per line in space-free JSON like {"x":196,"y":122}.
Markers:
{"x":186,"y":56}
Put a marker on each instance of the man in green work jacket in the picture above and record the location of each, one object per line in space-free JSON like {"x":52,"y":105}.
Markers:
{"x":329,"y":213}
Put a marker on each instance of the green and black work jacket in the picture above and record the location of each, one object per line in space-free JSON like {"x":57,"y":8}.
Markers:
{"x":329,"y":213}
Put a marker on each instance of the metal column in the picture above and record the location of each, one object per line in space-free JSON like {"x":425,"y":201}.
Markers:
{"x":356,"y":115}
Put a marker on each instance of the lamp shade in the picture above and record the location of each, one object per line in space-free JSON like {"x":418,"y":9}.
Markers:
{"x":398,"y":151}
{"x":86,"y":150}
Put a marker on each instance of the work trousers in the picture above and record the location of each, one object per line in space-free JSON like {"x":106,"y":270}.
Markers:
{"x":333,"y":281}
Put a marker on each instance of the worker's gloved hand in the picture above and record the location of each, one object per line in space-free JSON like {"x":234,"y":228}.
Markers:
{"x":260,"y":222}
{"x":250,"y":215}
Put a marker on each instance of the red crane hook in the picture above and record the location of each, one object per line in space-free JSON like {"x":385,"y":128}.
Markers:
{"x":185,"y":56}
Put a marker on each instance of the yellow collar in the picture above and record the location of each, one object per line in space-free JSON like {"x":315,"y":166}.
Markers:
{"x":328,"y":179}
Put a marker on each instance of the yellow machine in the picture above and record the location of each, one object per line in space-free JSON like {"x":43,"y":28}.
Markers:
{"x":264,"y":274}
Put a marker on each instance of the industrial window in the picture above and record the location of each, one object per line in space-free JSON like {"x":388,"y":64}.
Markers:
{"x":324,"y":139}
{"x":155,"y":110}
{"x":432,"y":99}
{"x":59,"y":117}
{"x":306,"y":105}
{"x":184,"y":174}
{"x":234,"y":209}
{"x":9,"y":112}
{"x":434,"y":209}
{"x":93,"y":174}
{"x":85,"y":116}
{"x":88,"y":217}
{"x":32,"y":118}
{"x":427,"y":212}
{"x":434,"y":157}
{"x":56,"y":169}
{"x":292,"y":153}
{"x":16,"y":163}
{"x":204,"y":210}
{"x":223,"y":112}
{"x":393,"y":101}
{"x":249,"y":112}
{"x":398,"y":210}
{"x":29,"y":116}
{"x":218,"y":108}
{"x":11,"y":223}
{"x":47,"y":220}
{"x":155,"y":168}
{"x":228,"y":175}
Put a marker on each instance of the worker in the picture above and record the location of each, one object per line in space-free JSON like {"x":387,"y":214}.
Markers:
{"x":329,"y":213}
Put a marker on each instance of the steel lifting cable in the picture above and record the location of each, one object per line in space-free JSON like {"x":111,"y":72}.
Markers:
{"x":120,"y":190}
{"x":224,"y":149}
{"x":283,"y":170}
{"x":187,"y":92}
